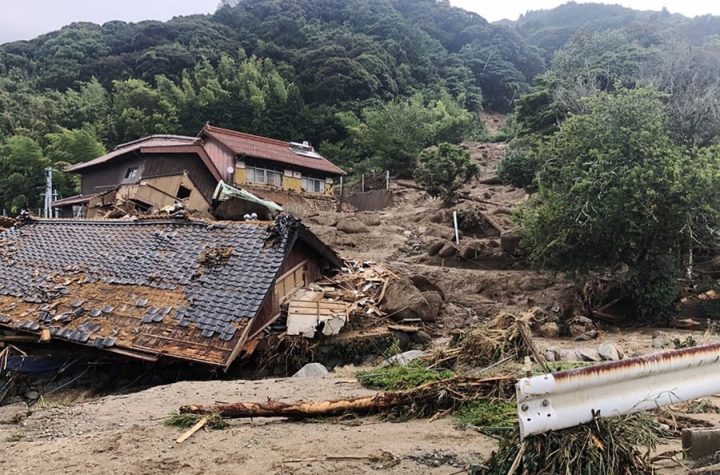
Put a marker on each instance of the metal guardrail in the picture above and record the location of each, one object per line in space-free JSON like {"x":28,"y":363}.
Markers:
{"x":569,"y":398}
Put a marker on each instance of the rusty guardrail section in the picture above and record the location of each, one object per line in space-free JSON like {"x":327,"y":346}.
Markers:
{"x":569,"y":398}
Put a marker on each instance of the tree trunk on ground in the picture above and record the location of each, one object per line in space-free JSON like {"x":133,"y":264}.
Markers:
{"x":456,"y":389}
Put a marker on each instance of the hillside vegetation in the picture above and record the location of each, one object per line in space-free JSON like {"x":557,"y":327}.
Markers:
{"x":619,"y":138}
{"x":328,"y":71}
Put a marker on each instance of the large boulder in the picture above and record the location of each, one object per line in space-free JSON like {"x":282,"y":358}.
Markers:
{"x":448,"y":250}
{"x":425,"y":284}
{"x":352,"y":226}
{"x":510,"y":242}
{"x":369,"y":219}
{"x":402,"y":359}
{"x":435,"y":248}
{"x":437,"y":231}
{"x":405,"y":301}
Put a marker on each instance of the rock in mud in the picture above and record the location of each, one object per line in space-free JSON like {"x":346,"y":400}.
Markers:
{"x":590,"y":355}
{"x":32,"y":395}
{"x":369,"y":219}
{"x":437,"y":231}
{"x":551,"y":355}
{"x":660,"y":340}
{"x":609,"y":352}
{"x":435,"y":300}
{"x":569,"y":355}
{"x":311,"y":370}
{"x":448,"y":250}
{"x":550,"y":330}
{"x":510,"y":242}
{"x":435,"y":248}
{"x":422,"y":337}
{"x":352,"y":226}
{"x":403,"y":358}
{"x":405,"y":301}
{"x":424,"y":284}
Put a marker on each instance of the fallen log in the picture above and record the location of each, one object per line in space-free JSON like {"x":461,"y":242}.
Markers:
{"x":440,"y":394}
{"x":491,"y":180}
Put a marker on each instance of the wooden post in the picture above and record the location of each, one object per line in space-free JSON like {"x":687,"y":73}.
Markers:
{"x":387,"y":180}
{"x":362,"y":183}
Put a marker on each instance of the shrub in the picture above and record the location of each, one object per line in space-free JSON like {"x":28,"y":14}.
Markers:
{"x":518,"y":167}
{"x":397,"y":378}
{"x":444,"y":169}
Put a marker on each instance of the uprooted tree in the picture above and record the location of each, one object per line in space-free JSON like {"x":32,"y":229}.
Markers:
{"x":614,"y":189}
{"x":444,"y":169}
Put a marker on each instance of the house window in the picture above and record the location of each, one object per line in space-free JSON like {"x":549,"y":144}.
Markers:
{"x":313,"y":185}
{"x":131,"y":173}
{"x":264,"y":176}
{"x":183,"y":193}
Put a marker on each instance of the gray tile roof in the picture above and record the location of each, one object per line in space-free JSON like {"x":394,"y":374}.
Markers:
{"x":185,"y":289}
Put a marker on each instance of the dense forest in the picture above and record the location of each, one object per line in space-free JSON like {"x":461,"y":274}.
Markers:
{"x":330,"y":71}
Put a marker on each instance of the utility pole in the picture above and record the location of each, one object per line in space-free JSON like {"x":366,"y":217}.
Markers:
{"x":48,"y":193}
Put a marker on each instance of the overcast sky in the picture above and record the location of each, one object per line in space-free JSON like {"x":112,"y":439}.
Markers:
{"x":25,"y":19}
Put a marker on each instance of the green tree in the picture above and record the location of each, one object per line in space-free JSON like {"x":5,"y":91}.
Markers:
{"x":614,"y":189}
{"x":73,"y":146}
{"x":140,"y":110}
{"x":444,"y":169}
{"x":22,"y":166}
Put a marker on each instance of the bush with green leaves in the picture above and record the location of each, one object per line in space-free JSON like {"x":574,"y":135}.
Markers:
{"x":444,"y":169}
{"x":520,"y":164}
{"x":614,"y":189}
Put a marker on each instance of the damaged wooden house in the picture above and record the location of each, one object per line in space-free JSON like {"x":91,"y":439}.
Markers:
{"x":155,"y":172}
{"x":150,"y":173}
{"x":271,"y":169}
{"x":155,"y":289}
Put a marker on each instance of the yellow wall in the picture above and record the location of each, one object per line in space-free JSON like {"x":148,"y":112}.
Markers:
{"x":240,"y":176}
{"x":293,"y":184}
{"x":289,"y":183}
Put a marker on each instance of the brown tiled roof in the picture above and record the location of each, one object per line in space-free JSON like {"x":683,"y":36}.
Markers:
{"x":184,"y":289}
{"x":154,"y":144}
{"x":269,"y":149}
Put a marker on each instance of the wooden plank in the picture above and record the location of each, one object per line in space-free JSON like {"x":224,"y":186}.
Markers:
{"x":199,"y":425}
{"x":310,"y":304}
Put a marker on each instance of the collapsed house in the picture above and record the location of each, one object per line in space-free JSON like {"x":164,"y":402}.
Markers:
{"x":152,"y":173}
{"x":152,"y":289}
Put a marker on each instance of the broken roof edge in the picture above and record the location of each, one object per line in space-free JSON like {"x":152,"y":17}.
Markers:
{"x":191,"y":148}
{"x":71,"y":200}
{"x":151,"y":141}
{"x":191,"y":140}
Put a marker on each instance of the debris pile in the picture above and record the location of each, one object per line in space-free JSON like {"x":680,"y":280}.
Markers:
{"x":351,"y":297}
{"x":604,"y":446}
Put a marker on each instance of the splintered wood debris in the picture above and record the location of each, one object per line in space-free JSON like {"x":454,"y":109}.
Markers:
{"x":327,"y":306}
